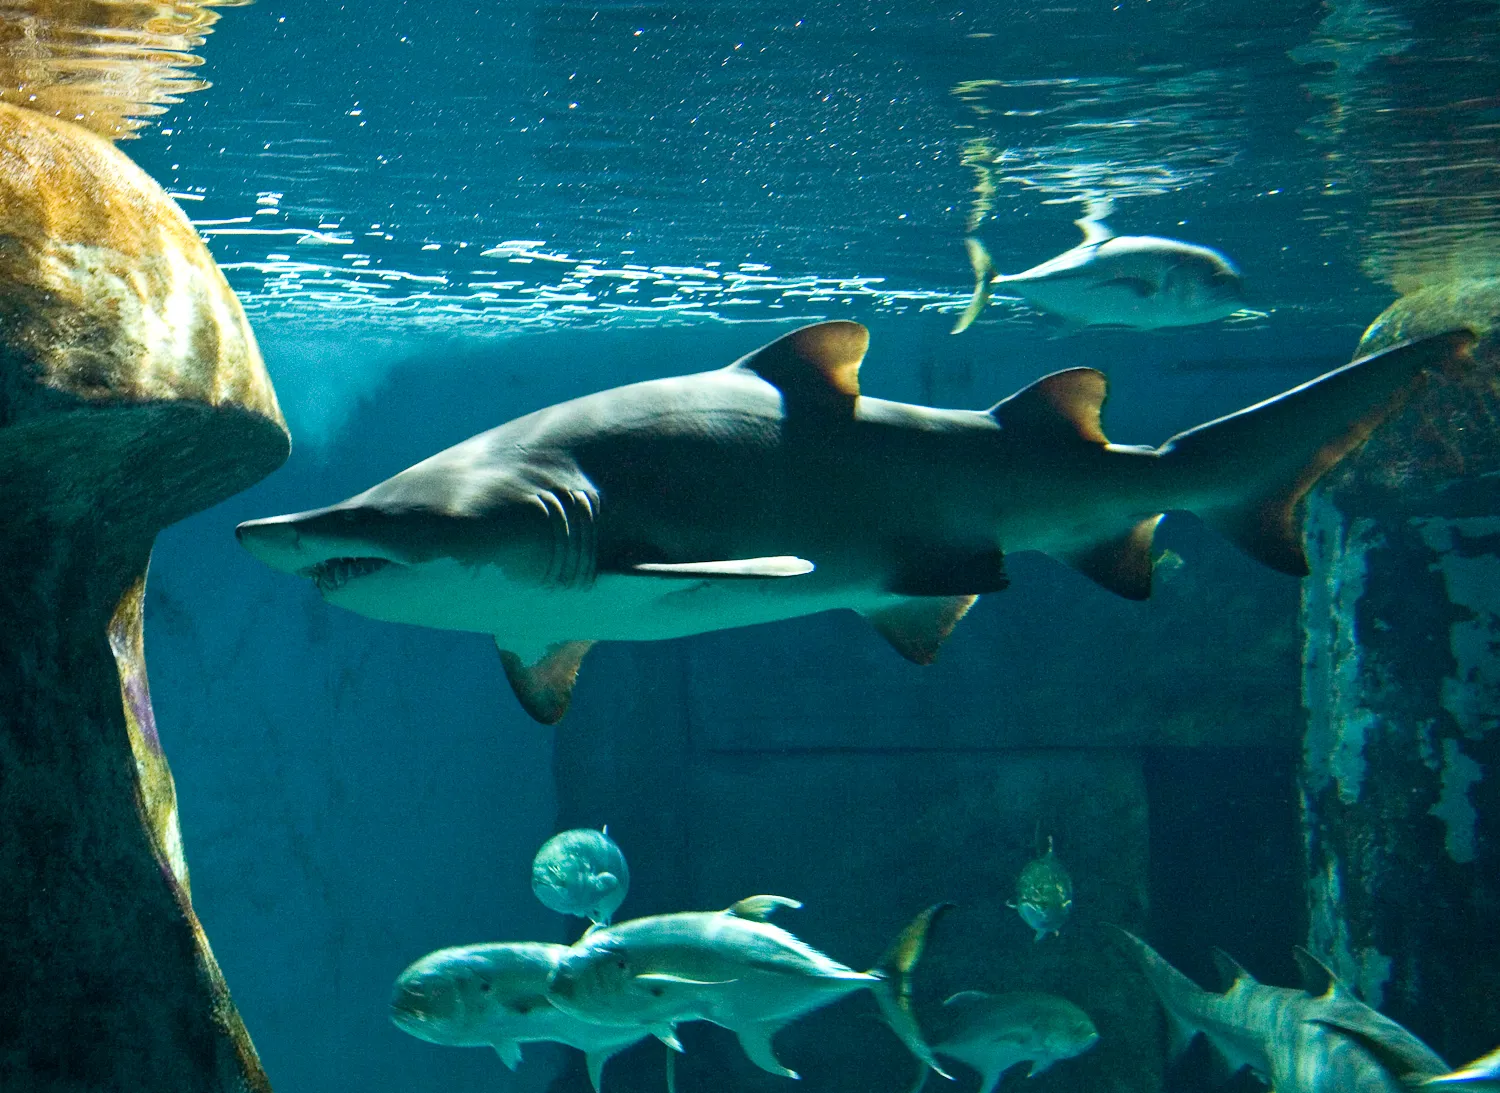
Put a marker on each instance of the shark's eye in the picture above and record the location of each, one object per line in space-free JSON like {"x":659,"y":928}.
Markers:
{"x":484,"y":986}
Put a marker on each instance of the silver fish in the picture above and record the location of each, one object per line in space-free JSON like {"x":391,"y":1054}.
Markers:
{"x":1044,"y":894}
{"x":732,"y":968}
{"x":496,"y":994}
{"x":1321,"y":1039}
{"x":1138,"y":281}
{"x":581,"y":872}
{"x":994,"y":1032}
{"x":773,"y":489}
{"x":1480,"y":1076}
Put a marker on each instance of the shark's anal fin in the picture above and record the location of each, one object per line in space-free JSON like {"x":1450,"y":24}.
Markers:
{"x":984,"y":272}
{"x":1121,"y":564}
{"x":546,"y":687}
{"x":816,"y":367}
{"x":509,"y":1052}
{"x":756,"y":1040}
{"x":761,"y":908}
{"x":595,"y":1060}
{"x":1063,"y":406}
{"x":917,"y":627}
{"x":784,"y":565}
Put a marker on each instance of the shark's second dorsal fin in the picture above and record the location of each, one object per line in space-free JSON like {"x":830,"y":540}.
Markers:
{"x":1063,"y":405}
{"x":1318,"y":979}
{"x":546,"y":687}
{"x":1095,"y":231}
{"x":760,"y":908}
{"x":817,"y":365}
{"x":1231,"y":971}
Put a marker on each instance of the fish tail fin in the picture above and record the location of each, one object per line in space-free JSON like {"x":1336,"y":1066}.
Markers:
{"x":1246,"y":473}
{"x":984,"y":272}
{"x":893,"y":989}
{"x":1175,"y":991}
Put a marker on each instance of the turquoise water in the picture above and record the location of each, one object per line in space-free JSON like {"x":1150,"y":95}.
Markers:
{"x":442,"y":215}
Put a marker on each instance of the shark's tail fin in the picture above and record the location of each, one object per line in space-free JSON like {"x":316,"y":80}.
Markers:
{"x":984,"y":271}
{"x":1245,"y":474}
{"x":893,"y":991}
{"x":1175,"y":991}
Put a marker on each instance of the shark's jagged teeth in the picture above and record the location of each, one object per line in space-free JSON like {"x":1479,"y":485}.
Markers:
{"x":333,"y":573}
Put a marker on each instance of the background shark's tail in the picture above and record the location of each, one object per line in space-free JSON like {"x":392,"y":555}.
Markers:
{"x":984,"y":272}
{"x":893,"y":991}
{"x":1245,"y":474}
{"x":1175,"y":991}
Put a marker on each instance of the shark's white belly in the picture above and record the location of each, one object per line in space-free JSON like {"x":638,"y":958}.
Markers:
{"x":526,"y":617}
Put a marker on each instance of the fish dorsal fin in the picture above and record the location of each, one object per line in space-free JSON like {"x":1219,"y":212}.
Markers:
{"x":1318,"y":979}
{"x":817,"y":365}
{"x":1064,"y":404}
{"x":1095,"y":231}
{"x":546,"y":687}
{"x":1230,"y":970}
{"x":760,"y":908}
{"x":1121,"y":563}
{"x":917,"y":627}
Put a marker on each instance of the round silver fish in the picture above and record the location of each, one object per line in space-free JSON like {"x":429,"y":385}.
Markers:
{"x":583,"y":873}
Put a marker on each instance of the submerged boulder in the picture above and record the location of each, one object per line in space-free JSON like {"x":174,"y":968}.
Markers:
{"x":132,"y":394}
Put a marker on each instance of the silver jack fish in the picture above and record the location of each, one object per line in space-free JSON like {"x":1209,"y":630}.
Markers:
{"x":1480,"y":1076}
{"x":1138,"y":281}
{"x":1044,"y":894}
{"x":772,"y":489}
{"x":496,"y":995}
{"x":582,"y":873}
{"x":1318,"y":1040}
{"x":733,"y":968}
{"x":994,"y":1032}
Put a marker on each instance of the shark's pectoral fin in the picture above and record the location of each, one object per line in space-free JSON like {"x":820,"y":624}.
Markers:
{"x":1061,"y":407}
{"x":783,"y":565}
{"x":509,"y":1052}
{"x":1121,"y":564}
{"x":917,"y":627}
{"x":546,"y":687}
{"x":756,"y":1040}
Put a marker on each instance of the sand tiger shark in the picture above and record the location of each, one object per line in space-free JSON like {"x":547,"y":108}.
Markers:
{"x":772,"y":488}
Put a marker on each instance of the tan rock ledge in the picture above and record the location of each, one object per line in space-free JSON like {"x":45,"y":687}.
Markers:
{"x":132,"y":394}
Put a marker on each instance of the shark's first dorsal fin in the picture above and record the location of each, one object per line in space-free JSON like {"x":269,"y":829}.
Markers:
{"x":817,"y":365}
{"x":1095,"y":231}
{"x":1318,"y":979}
{"x":546,"y":687}
{"x":917,"y":626}
{"x":1064,"y":404}
{"x":760,"y":908}
{"x":1230,"y":970}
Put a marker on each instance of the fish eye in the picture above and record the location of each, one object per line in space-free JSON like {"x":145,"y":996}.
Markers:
{"x":484,"y":986}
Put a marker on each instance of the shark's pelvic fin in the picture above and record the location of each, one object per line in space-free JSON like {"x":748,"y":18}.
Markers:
{"x":816,"y":366}
{"x":1062,"y":406}
{"x":1231,"y":971}
{"x":917,"y":627}
{"x":984,"y":272}
{"x":783,"y":565}
{"x":546,"y":687}
{"x":761,"y":908}
{"x":1121,"y":564}
{"x":1254,"y":467}
{"x":594,"y":1061}
{"x":756,"y":1040}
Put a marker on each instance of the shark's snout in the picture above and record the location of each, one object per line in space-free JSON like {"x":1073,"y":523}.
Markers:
{"x":329,"y":546}
{"x":275,"y":541}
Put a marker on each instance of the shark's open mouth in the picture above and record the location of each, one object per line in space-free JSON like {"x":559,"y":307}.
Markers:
{"x":332,"y":574}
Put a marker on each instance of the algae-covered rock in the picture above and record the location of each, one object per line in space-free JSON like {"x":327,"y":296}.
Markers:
{"x":131,"y":394}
